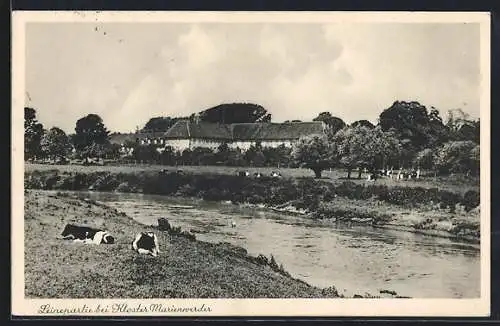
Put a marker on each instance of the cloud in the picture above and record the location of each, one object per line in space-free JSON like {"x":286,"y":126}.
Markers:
{"x":294,"y":70}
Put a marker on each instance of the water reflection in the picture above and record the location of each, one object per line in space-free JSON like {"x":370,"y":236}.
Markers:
{"x":356,"y":259}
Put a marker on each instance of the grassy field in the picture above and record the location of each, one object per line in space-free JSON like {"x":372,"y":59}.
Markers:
{"x":458,"y":184}
{"x":186,"y":268}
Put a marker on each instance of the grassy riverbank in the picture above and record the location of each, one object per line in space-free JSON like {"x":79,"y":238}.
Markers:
{"x":187,"y":268}
{"x":433,"y":211}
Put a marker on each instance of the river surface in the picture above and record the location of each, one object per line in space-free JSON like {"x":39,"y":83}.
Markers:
{"x":355,"y":259}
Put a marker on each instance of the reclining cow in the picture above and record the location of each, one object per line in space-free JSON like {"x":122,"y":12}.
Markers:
{"x":243,"y":173}
{"x":275,"y":174}
{"x":146,"y":243}
{"x":88,"y":235}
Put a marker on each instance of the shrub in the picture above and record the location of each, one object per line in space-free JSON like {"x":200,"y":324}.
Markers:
{"x":471,"y":200}
{"x":123,"y":187}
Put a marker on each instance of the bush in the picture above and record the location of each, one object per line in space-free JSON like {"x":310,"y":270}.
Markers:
{"x":308,"y":193}
{"x":471,"y":200}
{"x":123,"y":187}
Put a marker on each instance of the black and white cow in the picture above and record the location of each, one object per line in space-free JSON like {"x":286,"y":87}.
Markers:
{"x":86,"y":234}
{"x":243,"y":173}
{"x":146,"y":243}
{"x":275,"y":174}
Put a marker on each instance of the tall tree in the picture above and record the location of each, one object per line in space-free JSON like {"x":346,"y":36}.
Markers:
{"x":234,"y":113}
{"x":363,"y":123}
{"x":55,"y":144}
{"x":462,"y":127}
{"x":33,"y":133}
{"x":315,"y":153}
{"x":89,"y":132}
{"x":159,"y":124}
{"x":415,"y":126}
{"x":334,"y":124}
{"x":455,"y":157}
{"x":362,"y":147}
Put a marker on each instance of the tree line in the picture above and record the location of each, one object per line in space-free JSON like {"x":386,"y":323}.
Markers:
{"x":407,"y":135}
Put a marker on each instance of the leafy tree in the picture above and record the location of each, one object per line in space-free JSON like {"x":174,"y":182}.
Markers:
{"x":475,"y":160}
{"x":33,"y":133}
{"x":168,"y":156}
{"x":334,"y":124}
{"x":413,"y":122}
{"x":362,"y":147}
{"x":425,"y":159}
{"x":277,"y":156}
{"x":363,"y":123}
{"x":91,"y":132}
{"x":456,"y":157}
{"x":254,"y":155}
{"x":202,"y":156}
{"x":158,"y":124}
{"x":462,"y":127}
{"x":55,"y":144}
{"x":147,"y":153}
{"x":315,"y":153}
{"x":234,"y":113}
{"x":94,"y":150}
{"x":223,"y":152}
{"x":112,"y":151}
{"x":186,"y":156}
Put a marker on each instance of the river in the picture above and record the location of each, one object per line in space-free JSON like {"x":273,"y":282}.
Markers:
{"x":355,"y":259}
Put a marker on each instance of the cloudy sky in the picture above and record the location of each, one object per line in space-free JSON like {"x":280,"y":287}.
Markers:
{"x":130,"y":72}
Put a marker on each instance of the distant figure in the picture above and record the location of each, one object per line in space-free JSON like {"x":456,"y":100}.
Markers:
{"x":86,"y":235}
{"x":400,"y":174}
{"x":418,"y":173}
{"x":389,"y":173}
{"x":146,"y":243}
{"x":233,"y":224}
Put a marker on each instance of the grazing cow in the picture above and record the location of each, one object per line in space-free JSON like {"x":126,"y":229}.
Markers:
{"x":257,"y":174}
{"x":275,"y":174}
{"x":180,"y":171}
{"x":243,"y":173}
{"x":87,"y":235}
{"x":146,"y":243}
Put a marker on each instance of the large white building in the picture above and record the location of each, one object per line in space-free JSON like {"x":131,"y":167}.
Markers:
{"x":188,"y":134}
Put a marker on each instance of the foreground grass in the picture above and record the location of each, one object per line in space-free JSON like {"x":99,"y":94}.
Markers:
{"x":186,"y":268}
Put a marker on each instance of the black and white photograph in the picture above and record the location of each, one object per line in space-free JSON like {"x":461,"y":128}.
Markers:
{"x":170,"y":164}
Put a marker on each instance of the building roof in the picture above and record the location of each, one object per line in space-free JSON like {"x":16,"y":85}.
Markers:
{"x":275,"y":131}
{"x":119,"y":138}
{"x":185,"y":129}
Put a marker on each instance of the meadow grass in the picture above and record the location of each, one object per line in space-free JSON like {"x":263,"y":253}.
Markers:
{"x":186,"y":268}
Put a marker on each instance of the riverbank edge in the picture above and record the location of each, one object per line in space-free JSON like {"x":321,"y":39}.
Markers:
{"x":229,"y":249}
{"x":370,"y":217}
{"x":114,"y":216}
